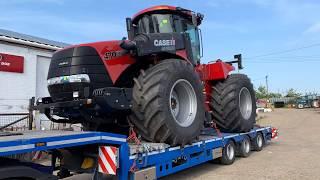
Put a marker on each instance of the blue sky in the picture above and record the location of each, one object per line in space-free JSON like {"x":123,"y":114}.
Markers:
{"x":254,"y":28}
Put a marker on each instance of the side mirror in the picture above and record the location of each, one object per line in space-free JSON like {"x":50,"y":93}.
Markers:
{"x":238,"y":58}
{"x":129,"y":28}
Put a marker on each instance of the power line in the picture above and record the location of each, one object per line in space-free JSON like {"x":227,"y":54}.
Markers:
{"x":283,"y":61}
{"x":299,"y":56}
{"x":285,"y":51}
{"x":280,"y":57}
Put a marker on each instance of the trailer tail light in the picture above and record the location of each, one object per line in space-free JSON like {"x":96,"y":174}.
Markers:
{"x":274,"y":133}
{"x":108,"y":160}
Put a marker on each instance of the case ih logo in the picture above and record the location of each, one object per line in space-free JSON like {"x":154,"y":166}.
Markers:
{"x":163,"y":42}
{"x":11,"y":63}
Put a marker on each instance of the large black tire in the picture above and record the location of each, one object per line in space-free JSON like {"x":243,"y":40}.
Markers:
{"x":227,"y":101}
{"x":245,"y":147}
{"x":152,"y":114}
{"x":228,"y":153}
{"x":258,"y":142}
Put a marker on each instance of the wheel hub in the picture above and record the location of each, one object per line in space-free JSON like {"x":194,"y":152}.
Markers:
{"x":245,"y":103}
{"x":175,"y":103}
{"x":183,"y":102}
{"x":259,"y":141}
{"x":246,"y":146}
{"x":230,"y":151}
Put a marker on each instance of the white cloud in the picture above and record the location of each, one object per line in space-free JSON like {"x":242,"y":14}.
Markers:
{"x":314,"y":28}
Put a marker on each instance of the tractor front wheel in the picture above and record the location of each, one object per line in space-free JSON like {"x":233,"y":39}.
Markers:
{"x":168,"y":103}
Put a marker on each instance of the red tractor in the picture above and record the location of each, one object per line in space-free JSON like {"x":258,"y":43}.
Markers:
{"x":153,"y":81}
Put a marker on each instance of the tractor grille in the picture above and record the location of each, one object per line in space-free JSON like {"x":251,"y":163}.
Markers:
{"x":78,"y":60}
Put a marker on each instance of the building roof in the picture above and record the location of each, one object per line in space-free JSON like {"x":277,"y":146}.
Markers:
{"x":31,"y":39}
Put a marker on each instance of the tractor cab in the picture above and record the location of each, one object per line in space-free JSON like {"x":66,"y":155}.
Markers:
{"x":166,"y":30}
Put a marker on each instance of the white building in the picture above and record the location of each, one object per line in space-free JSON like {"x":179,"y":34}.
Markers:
{"x":24,"y":63}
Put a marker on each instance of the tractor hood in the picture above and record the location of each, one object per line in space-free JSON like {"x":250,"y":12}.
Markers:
{"x":85,"y":67}
{"x":114,"y":58}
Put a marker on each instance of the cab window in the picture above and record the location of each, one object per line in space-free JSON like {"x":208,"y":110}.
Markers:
{"x":193,"y":33}
{"x":156,"y":23}
{"x":162,"y":23}
{"x":145,"y":25}
{"x":168,"y":23}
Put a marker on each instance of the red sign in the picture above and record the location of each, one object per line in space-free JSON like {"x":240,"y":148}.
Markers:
{"x":11,"y":63}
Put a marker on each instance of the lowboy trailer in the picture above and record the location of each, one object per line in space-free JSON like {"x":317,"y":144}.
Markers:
{"x":121,"y":157}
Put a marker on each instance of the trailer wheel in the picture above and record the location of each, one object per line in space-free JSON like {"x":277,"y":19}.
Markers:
{"x":168,"y":103}
{"x":245,"y":147}
{"x":258,"y":142}
{"x":228,"y":153}
{"x":233,"y":104}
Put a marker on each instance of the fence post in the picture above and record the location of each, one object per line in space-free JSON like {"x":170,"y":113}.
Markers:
{"x":31,"y":107}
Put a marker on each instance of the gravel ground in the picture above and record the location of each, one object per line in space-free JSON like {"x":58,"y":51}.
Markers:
{"x":294,"y":155}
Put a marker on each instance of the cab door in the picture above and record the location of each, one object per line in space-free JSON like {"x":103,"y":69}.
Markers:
{"x":193,"y":34}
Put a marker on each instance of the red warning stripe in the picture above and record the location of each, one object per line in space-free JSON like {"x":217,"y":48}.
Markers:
{"x":103,"y":168}
{"x":114,"y":150}
{"x":110,"y":161}
{"x":37,"y":155}
{"x":107,"y":159}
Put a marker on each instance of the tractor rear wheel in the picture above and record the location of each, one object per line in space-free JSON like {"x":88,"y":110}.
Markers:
{"x":168,"y":103}
{"x":233,"y":104}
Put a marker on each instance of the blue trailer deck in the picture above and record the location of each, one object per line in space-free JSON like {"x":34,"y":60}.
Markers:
{"x":146,"y":160}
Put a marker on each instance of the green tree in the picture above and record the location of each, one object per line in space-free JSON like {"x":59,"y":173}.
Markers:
{"x":292,"y":93}
{"x":275,"y":95}
{"x":261,"y":92}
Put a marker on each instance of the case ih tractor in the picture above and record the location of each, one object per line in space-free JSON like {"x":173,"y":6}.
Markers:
{"x":153,"y":81}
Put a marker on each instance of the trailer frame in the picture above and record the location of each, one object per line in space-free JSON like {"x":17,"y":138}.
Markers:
{"x":155,"y":160}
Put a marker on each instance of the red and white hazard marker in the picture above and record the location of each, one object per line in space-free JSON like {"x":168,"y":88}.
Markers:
{"x":107,"y":161}
{"x":274,"y":133}
{"x":37,"y":155}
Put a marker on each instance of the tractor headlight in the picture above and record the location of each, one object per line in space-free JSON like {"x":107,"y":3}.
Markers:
{"x":77,"y":78}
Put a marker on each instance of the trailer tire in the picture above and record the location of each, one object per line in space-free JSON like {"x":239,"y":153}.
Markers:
{"x":228,"y":153}
{"x":233,"y":104}
{"x":258,"y":142}
{"x":168,"y":103}
{"x":245,"y":147}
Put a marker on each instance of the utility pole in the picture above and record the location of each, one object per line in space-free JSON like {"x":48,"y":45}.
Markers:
{"x":267,"y":86}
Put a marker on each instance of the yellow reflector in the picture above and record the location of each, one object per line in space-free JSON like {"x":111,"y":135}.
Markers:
{"x":87,"y":163}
